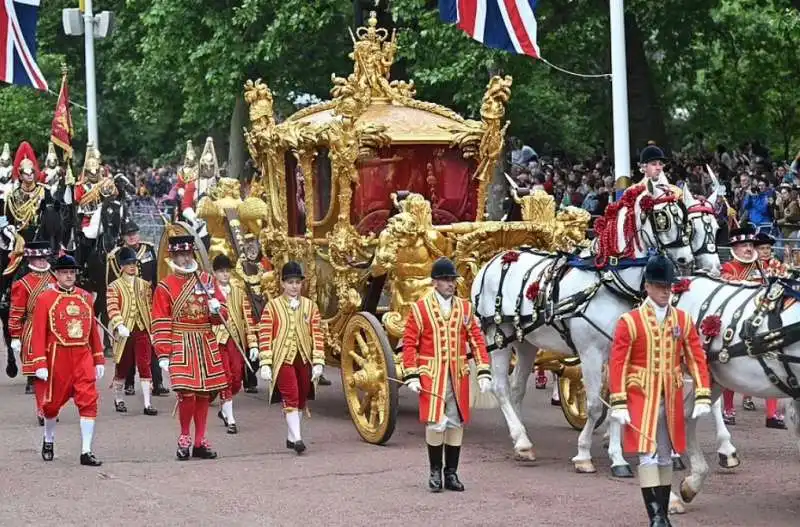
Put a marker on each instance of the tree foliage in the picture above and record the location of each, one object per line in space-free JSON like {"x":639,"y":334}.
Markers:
{"x":173,"y":70}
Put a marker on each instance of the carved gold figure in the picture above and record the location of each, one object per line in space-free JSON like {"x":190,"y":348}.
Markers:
{"x":211,"y":208}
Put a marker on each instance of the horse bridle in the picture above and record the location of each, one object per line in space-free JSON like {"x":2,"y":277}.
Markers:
{"x":704,"y":210}
{"x":660,"y":222}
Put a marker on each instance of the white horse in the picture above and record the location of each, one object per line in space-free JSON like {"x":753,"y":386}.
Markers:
{"x":753,"y":348}
{"x":542,"y":302}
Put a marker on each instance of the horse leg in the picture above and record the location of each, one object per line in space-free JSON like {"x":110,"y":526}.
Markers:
{"x":726,"y":452}
{"x":501,"y":360}
{"x":526,"y":355}
{"x":592,"y":368}
{"x":698,"y":469}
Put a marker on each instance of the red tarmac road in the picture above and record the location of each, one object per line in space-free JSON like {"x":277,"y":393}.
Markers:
{"x":343,"y":481}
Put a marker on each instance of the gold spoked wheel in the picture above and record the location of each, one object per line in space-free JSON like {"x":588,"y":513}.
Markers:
{"x":572,"y":395}
{"x":367,"y":365}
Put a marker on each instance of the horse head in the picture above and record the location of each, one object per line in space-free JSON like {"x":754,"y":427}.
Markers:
{"x":664,"y":225}
{"x":124,"y":186}
{"x":703,"y":227}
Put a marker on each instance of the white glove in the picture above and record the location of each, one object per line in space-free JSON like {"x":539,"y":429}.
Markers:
{"x":99,"y":371}
{"x":123,"y":331}
{"x":41,"y":373}
{"x":16,"y":345}
{"x":621,"y":415}
{"x":701,"y":409}
{"x":266,"y":373}
{"x":484,"y":384}
{"x":316,"y":372}
{"x":164,"y":364}
{"x":414,"y":385}
{"x":253,"y":354}
{"x":214,"y":306}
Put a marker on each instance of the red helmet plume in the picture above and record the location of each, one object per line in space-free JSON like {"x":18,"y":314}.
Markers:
{"x":25,"y":159}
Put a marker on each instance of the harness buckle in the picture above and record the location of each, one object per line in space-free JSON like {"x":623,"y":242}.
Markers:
{"x":613,"y":261}
{"x":724,"y":356}
{"x":792,"y":382}
{"x":728,"y":335}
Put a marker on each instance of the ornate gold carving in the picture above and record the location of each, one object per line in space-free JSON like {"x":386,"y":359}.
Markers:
{"x":211,"y":208}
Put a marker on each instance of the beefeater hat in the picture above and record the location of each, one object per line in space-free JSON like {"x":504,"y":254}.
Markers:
{"x":37,"y":249}
{"x":181,"y":243}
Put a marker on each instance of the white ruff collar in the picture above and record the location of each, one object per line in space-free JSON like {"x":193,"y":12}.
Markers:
{"x":185,"y":270}
{"x":39,"y":269}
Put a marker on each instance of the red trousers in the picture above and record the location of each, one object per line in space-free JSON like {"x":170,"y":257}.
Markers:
{"x":294,"y":383}
{"x":137,"y":349}
{"x":770,"y":408}
{"x":233,"y":362}
{"x":69,"y":379}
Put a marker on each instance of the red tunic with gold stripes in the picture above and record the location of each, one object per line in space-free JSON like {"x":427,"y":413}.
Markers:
{"x":736,"y":270}
{"x":436,"y":350}
{"x":182,"y":332}
{"x":645,"y":367}
{"x":67,"y":343}
{"x":25,"y":292}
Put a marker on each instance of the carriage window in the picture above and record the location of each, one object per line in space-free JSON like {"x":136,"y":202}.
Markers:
{"x":322,"y":185}
{"x":295,"y":201}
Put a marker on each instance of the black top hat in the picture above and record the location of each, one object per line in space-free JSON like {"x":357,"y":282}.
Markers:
{"x":181,"y":243}
{"x":38,"y":249}
{"x":651,"y":153}
{"x":130,"y":227}
{"x":126,"y":256}
{"x":746,"y":234}
{"x":762,"y":238}
{"x":291,"y":269}
{"x":443,"y":268}
{"x":65,"y":262}
{"x":221,"y":262}
{"x":659,"y":270}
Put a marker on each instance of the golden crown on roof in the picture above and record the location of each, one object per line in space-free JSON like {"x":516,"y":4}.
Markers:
{"x":372,"y":31}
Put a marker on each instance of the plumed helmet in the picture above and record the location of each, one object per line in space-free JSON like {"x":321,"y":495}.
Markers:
{"x":651,"y":153}
{"x":443,"y":268}
{"x":25,"y":162}
{"x":659,"y":270}
{"x":291,"y":269}
{"x":126,"y":256}
{"x":222,"y":262}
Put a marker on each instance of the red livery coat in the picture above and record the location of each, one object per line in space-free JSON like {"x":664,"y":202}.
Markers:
{"x":67,"y":343}
{"x":25,"y":292}
{"x":736,"y":270}
{"x":183,"y":333}
{"x":645,"y":364}
{"x":436,"y":350}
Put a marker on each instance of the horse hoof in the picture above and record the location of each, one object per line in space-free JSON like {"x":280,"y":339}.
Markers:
{"x":585,"y":466}
{"x":677,"y":464}
{"x":524,"y":455}
{"x":676,"y":507}
{"x":687,"y":493}
{"x":729,"y":460}
{"x":622,"y":471}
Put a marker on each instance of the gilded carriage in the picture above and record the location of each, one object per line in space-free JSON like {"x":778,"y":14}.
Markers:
{"x":367,"y":190}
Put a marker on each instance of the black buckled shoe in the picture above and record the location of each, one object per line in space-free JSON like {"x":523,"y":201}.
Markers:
{"x":290,"y":444}
{"x":120,"y":406}
{"x":451,"y":481}
{"x":149,"y":410}
{"x":159,"y":391}
{"x":776,"y":422}
{"x":323,"y":381}
{"x":88,"y":460}
{"x":233,"y":429}
{"x":183,"y":452}
{"x":299,"y":447}
{"x":435,"y":462}
{"x":47,"y":451}
{"x":224,"y":421}
{"x":203,"y":451}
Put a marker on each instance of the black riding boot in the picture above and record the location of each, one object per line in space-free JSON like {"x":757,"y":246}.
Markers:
{"x":451,"y":482}
{"x":664,"y":492}
{"x":435,"y":460}
{"x":655,"y":511}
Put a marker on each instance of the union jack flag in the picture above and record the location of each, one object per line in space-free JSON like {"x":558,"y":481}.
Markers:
{"x":501,"y":24}
{"x":18,"y":40}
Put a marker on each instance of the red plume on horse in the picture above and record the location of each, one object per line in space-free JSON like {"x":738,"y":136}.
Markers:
{"x":25,"y":161}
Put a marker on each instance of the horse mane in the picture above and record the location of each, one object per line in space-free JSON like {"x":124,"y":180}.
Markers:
{"x":606,"y":227}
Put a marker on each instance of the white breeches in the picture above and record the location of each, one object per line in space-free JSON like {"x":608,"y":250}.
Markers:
{"x":663,"y":454}
{"x":451,"y":418}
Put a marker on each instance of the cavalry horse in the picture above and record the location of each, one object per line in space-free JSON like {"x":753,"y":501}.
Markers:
{"x":570,"y":304}
{"x":751,"y":333}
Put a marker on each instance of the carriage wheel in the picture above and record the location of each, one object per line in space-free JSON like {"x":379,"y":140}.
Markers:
{"x":367,"y":365}
{"x":572,"y":396}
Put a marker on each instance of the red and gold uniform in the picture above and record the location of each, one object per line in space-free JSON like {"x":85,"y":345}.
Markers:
{"x":436,"y":349}
{"x":736,"y":270}
{"x":67,"y":344}
{"x":645,"y":366}
{"x":25,"y":293}
{"x":291,"y":342}
{"x":240,"y":320}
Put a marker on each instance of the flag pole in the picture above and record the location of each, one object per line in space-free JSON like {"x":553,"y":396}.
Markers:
{"x":91,"y":89}
{"x":619,"y":91}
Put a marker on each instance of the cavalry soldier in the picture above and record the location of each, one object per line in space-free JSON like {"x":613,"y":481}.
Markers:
{"x":241,"y":323}
{"x":196,"y":181}
{"x":67,"y":356}
{"x":129,"y":300}
{"x":292,"y":350}
{"x":52,"y":171}
{"x":185,"y":305}
{"x":441,"y":333}
{"x":25,"y":294}
{"x":93,"y":185}
{"x":764,"y":266}
{"x":146,"y":269}
{"x":646,"y":384}
{"x":24,"y":204}
{"x":5,"y":173}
